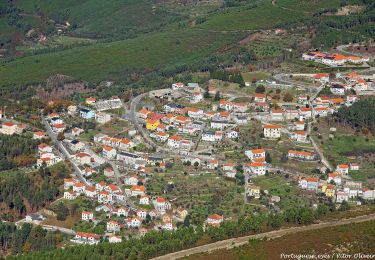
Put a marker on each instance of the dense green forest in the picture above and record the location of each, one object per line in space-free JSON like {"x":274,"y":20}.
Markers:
{"x":17,"y":151}
{"x":360,"y":115}
{"x":26,"y":192}
{"x":26,"y":239}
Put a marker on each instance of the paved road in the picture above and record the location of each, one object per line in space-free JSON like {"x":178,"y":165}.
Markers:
{"x":48,"y":227}
{"x":343,"y":49}
{"x":234,"y":242}
{"x":65,"y":154}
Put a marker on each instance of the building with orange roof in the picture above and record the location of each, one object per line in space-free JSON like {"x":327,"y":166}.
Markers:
{"x":90,"y":100}
{"x":260,"y":98}
{"x":215,"y":220}
{"x":300,"y":136}
{"x":194,"y":112}
{"x":342,"y":168}
{"x":87,"y":215}
{"x":256,"y":168}
{"x":143,"y":113}
{"x":301,"y":155}
{"x":256,"y":155}
{"x":277,"y":115}
{"x":152,"y":124}
{"x":335,"y":177}
{"x":321,"y":111}
{"x":178,"y":85}
{"x":174,"y":141}
{"x":137,"y":190}
{"x":272,"y":131}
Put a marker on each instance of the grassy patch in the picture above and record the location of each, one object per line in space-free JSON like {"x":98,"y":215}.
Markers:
{"x":258,"y":75}
{"x":307,"y":5}
{"x":244,"y":18}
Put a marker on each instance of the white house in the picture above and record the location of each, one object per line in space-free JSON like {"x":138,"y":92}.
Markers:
{"x":109,"y":152}
{"x":342,"y":196}
{"x":212,"y":136}
{"x":196,"y":97}
{"x":272,"y":131}
{"x":134,"y":222}
{"x":342,"y":168}
{"x":256,"y":154}
{"x":70,"y":195}
{"x":102,"y":117}
{"x":174,"y":141}
{"x":131,"y":180}
{"x":87,"y":215}
{"x":335,"y":177}
{"x":300,"y":136}
{"x":277,"y":115}
{"x":215,"y":220}
{"x":113,"y":226}
{"x":145,"y":200}
{"x":86,"y":238}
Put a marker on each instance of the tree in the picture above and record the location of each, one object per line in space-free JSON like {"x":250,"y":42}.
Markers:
{"x":207,"y":93}
{"x":18,"y":204}
{"x":306,"y":216}
{"x":61,"y":136}
{"x":217,"y":96}
{"x":268,"y":158}
{"x":288,"y":97}
{"x":344,"y":206}
{"x":61,"y":211}
{"x":260,"y":89}
{"x":322,"y":209}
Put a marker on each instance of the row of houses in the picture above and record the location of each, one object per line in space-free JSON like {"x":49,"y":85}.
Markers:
{"x":334,"y":59}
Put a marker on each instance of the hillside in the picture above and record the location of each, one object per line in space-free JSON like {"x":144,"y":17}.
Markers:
{"x":348,"y":239}
{"x":164,"y":34}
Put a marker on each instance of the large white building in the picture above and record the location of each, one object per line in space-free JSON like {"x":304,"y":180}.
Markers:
{"x":272,"y":131}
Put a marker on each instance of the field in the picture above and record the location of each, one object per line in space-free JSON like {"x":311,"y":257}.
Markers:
{"x":347,"y":146}
{"x":111,"y":17}
{"x":110,"y":60}
{"x":307,"y":5}
{"x":201,"y":193}
{"x":258,"y":75}
{"x":349,"y":239}
{"x":243,"y":18}
{"x":55,"y":42}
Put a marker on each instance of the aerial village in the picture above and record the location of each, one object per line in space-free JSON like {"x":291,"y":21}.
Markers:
{"x":126,"y":169}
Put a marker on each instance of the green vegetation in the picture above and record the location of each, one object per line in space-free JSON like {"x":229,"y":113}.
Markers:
{"x":354,"y":238}
{"x":159,"y":243}
{"x":21,"y":193}
{"x":360,"y":115}
{"x":27,"y":238}
{"x":111,"y":60}
{"x":16,"y":151}
{"x":257,"y":75}
{"x":252,"y":17}
{"x":306,"y":5}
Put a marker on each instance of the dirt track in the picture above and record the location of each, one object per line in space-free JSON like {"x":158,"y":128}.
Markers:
{"x":233,"y":242}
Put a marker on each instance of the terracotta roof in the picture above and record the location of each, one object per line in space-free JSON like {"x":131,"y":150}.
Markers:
{"x":269,"y":126}
{"x":258,"y":151}
{"x":215,"y":217}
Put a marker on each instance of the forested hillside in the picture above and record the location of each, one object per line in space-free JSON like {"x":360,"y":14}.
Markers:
{"x":360,"y":115}
{"x":16,"y":151}
{"x":21,"y":193}
{"x":110,"y":40}
{"x":26,"y":239}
